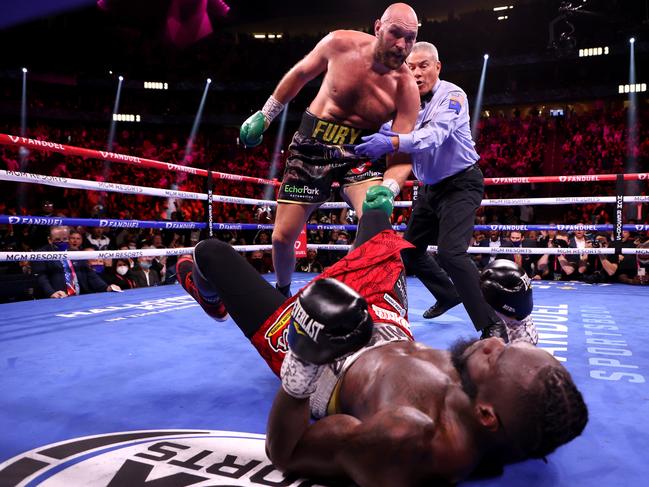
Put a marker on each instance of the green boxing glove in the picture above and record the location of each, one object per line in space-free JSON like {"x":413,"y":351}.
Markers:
{"x":252,"y":129}
{"x":379,"y":198}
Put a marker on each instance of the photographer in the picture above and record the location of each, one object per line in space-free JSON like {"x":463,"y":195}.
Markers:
{"x":527,"y":261}
{"x":556,"y":266}
{"x":600,"y":268}
{"x":634,"y":269}
{"x":581,"y":261}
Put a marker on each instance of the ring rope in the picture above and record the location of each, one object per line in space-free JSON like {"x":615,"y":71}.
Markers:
{"x":58,"y":181}
{"x":117,"y":254}
{"x":174,"y":225}
{"x":44,"y":145}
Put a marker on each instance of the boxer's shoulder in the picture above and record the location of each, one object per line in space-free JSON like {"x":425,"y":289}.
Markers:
{"x":348,"y":40}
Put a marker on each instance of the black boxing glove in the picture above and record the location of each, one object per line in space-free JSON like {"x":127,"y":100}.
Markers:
{"x":329,"y":321}
{"x":507,"y":288}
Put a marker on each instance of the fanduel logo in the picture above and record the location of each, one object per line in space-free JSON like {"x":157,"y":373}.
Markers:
{"x":289,"y":188}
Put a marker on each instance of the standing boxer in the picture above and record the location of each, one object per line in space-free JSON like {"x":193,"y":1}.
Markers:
{"x":365,"y":84}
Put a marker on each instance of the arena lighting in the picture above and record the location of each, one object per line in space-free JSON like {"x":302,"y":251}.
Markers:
{"x":503,"y":17}
{"x":197,"y":123}
{"x":631,"y":163}
{"x":23,"y":111}
{"x":23,"y":152}
{"x":111,"y":132}
{"x":505,"y":7}
{"x":477,"y":107}
{"x":259,"y":36}
{"x":269,"y":191}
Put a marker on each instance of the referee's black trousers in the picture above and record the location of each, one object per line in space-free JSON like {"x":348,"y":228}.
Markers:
{"x":444,"y":214}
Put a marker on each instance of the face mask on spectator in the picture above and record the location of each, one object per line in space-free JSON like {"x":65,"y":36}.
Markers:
{"x":61,"y":246}
{"x":98,"y":268}
{"x":145,"y":265}
{"x":121,"y":269}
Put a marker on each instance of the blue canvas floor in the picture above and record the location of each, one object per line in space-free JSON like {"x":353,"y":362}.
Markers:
{"x":149,"y":359}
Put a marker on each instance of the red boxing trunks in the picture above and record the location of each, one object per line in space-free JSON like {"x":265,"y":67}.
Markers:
{"x":374,"y":270}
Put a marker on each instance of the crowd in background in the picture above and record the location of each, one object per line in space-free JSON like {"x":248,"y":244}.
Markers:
{"x":514,"y":145}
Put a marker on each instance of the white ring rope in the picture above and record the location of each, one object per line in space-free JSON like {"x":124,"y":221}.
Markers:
{"x":121,"y":254}
{"x":23,"y":177}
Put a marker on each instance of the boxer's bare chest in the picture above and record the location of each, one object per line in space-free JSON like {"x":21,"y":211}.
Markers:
{"x":353,"y":92}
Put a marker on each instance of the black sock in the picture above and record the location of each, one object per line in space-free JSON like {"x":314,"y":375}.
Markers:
{"x":285,"y":290}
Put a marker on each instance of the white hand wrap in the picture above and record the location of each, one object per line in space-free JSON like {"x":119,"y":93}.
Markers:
{"x":299,"y":378}
{"x":521,"y":330}
{"x":271,"y":109}
{"x":392,"y":185}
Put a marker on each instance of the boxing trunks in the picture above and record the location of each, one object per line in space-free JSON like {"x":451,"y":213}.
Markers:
{"x":376,"y":272}
{"x":320,"y":153}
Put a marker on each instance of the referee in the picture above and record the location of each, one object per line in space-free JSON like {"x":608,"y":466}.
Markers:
{"x":445,"y":160}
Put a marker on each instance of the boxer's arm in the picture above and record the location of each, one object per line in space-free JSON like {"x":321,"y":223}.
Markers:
{"x":305,"y":70}
{"x":394,"y":447}
{"x":408,"y":103}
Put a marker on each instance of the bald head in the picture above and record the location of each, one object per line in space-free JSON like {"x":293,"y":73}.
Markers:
{"x":396,"y":33}
{"x":400,"y":14}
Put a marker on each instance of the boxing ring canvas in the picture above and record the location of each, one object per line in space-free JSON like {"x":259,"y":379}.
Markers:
{"x":149,"y":364}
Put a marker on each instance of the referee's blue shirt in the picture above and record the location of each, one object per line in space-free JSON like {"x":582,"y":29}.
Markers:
{"x":441,"y":144}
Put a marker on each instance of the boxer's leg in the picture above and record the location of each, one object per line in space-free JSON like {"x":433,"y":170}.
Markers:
{"x":371,"y":223}
{"x":354,"y":194}
{"x":221,"y":271}
{"x":289,"y":222}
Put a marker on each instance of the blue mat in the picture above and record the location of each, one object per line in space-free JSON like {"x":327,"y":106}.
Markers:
{"x":149,"y":359}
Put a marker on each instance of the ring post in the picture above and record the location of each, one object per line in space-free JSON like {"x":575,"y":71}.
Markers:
{"x":619,"y":213}
{"x":210,"y":197}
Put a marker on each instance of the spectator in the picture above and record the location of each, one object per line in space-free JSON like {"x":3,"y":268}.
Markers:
{"x":119,"y":274}
{"x":75,"y":240}
{"x":60,"y":279}
{"x":526,"y":261}
{"x":98,"y":239}
{"x":494,"y":241}
{"x":143,"y":274}
{"x":580,"y":262}
{"x":310,"y":263}
{"x":261,"y":262}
